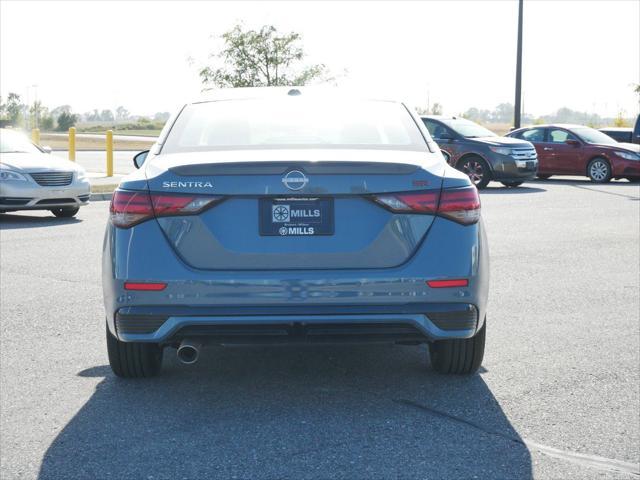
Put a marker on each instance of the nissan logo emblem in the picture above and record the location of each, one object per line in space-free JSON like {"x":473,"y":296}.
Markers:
{"x":295,"y":180}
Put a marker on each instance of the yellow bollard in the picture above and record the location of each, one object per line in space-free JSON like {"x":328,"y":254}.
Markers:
{"x":35,"y":136}
{"x":72,"y":144}
{"x":109,"y":153}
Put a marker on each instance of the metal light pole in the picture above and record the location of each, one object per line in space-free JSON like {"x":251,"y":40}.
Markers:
{"x":517,"y":107}
{"x":428,"y":99}
{"x":25,"y":111}
{"x":36,"y":109}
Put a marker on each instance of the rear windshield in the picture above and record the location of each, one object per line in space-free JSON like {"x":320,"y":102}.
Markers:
{"x":293,"y":122}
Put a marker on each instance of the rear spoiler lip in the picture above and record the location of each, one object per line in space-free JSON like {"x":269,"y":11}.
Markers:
{"x":281,"y":167}
{"x":453,"y":178}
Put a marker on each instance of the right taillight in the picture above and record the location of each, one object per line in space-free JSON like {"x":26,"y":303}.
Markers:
{"x":462,"y":205}
{"x":130,"y":208}
{"x":413,"y":202}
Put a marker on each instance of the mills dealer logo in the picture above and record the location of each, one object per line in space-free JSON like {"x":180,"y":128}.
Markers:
{"x":280,"y":213}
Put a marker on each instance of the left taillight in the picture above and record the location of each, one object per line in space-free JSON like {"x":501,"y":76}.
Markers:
{"x":462,"y":205}
{"x":130,"y":208}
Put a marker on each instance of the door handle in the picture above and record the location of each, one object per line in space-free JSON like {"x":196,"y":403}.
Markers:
{"x":548,"y":149}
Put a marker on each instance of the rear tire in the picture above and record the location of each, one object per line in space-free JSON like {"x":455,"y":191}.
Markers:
{"x":65,"y":212}
{"x":459,"y":356}
{"x":512,"y":184}
{"x":477,"y":170}
{"x":543,"y":177}
{"x":133,"y":359}
{"x":599,"y":170}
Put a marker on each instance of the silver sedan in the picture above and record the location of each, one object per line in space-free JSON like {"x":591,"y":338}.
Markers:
{"x":31,"y":179}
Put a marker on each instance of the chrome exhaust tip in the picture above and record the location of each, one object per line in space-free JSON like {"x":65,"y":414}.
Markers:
{"x":188,"y":352}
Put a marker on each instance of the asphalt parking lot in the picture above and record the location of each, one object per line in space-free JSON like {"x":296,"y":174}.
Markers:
{"x":558,"y":396}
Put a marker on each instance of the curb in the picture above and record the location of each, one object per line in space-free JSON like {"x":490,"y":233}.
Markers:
{"x":97,"y":197}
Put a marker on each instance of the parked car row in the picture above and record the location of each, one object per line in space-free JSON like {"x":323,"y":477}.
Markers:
{"x":33,"y":180}
{"x":541,"y":150}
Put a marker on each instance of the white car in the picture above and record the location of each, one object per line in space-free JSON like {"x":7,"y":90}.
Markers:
{"x":32,"y":179}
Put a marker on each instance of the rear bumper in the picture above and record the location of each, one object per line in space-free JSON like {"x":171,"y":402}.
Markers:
{"x":415,"y":322}
{"x":292,"y":301}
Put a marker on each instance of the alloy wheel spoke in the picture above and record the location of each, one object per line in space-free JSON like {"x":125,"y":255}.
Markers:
{"x":474,"y":171}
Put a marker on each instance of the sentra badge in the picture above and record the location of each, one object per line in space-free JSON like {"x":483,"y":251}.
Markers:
{"x":187,"y":185}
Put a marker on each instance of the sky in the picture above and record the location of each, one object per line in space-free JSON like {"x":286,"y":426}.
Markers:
{"x":584,"y":55}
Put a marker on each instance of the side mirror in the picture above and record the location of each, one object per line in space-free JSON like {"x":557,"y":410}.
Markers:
{"x":46,"y":149}
{"x":573,"y":143}
{"x":139,"y":158}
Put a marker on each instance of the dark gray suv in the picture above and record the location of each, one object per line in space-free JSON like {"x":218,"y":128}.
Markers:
{"x":481,"y":154}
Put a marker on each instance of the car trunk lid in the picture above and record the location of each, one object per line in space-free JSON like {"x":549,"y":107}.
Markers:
{"x":295,"y":209}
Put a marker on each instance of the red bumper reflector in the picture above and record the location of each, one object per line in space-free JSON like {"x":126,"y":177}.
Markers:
{"x":458,"y":282}
{"x":154,"y":287}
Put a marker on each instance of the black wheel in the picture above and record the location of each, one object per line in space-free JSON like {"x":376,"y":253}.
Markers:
{"x":512,"y":184}
{"x":65,"y":212}
{"x":462,"y":356}
{"x":543,"y":176}
{"x":133,"y":360}
{"x":477,"y":170}
{"x":599,"y":170}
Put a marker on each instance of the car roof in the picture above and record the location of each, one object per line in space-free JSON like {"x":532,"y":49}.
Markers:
{"x":442,"y":117}
{"x":314,"y":91}
{"x":554,"y":125}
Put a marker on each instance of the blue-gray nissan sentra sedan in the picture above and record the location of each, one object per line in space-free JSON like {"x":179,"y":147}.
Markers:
{"x":291,"y":216}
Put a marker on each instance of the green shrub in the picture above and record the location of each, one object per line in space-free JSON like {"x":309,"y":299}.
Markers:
{"x":66,"y":120}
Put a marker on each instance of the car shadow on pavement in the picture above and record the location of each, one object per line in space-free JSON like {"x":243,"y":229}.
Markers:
{"x":10,"y":221}
{"x":580,"y":181}
{"x":290,"y":412}
{"x":510,"y":191}
{"x":620,"y":188}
